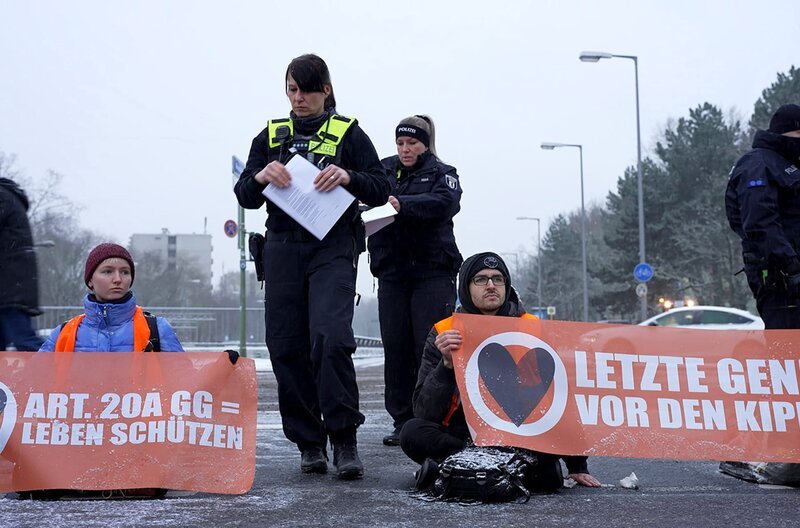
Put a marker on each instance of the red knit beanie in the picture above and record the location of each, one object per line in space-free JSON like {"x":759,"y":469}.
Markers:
{"x":103,"y":252}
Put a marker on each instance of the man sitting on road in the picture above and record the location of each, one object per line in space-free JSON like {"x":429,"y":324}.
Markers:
{"x":439,"y":428}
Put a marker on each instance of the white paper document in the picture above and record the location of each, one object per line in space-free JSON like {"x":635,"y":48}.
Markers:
{"x":378,"y":217}
{"x":315,"y":211}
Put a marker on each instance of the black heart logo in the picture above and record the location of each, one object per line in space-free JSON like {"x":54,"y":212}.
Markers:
{"x":516,"y":387}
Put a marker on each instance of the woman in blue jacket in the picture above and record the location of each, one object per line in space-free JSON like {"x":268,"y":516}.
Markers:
{"x":415,"y":259}
{"x":112,"y":322}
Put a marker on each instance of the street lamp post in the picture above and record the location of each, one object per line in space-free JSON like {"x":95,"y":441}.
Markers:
{"x":594,"y":56}
{"x":538,"y":255}
{"x":551,"y":146}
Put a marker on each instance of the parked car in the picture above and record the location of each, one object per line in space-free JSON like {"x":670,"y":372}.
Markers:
{"x":707,"y":318}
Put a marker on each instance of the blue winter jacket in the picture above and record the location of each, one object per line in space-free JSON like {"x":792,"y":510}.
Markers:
{"x":109,"y":328}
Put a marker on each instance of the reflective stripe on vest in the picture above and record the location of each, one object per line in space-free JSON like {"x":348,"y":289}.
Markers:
{"x":325,"y":142}
{"x":69,"y":333}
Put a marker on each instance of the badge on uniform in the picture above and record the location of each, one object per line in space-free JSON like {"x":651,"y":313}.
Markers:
{"x":451,"y":182}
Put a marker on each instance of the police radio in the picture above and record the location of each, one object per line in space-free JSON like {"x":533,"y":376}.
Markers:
{"x":282,"y":134}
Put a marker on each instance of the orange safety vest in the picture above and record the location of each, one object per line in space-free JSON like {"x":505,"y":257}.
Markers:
{"x":455,"y":401}
{"x":67,"y":336}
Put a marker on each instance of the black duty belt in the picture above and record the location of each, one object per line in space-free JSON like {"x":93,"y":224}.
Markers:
{"x":303,"y":235}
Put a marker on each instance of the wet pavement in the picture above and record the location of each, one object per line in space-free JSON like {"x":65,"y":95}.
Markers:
{"x":672,"y":493}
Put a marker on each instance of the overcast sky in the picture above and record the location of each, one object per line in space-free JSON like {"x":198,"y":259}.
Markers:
{"x":141,"y":104}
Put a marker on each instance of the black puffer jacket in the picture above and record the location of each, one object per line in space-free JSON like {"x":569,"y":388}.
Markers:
{"x":19,"y":287}
{"x":420,"y":242}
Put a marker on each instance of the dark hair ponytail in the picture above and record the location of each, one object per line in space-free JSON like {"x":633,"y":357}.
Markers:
{"x":311,"y":75}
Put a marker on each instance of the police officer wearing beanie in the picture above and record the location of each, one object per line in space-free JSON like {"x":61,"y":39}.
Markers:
{"x":762,"y":203}
{"x":439,"y":428}
{"x":415,"y":259}
{"x":310,"y":283}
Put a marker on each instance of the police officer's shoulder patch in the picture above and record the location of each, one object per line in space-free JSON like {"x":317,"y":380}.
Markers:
{"x":491,"y":262}
{"x":451,"y":182}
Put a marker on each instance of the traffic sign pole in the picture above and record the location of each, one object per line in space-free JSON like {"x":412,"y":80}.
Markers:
{"x":238,"y":167}
{"x":642,"y":273}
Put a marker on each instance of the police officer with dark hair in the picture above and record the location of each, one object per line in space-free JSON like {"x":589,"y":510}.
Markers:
{"x":415,"y":259}
{"x":762,"y":203}
{"x":310,"y":283}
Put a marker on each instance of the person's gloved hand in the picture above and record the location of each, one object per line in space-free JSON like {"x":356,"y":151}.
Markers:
{"x":792,"y":277}
{"x":793,"y":284}
{"x":233,"y":356}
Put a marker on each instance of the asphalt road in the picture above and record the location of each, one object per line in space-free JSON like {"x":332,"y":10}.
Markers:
{"x":672,"y":493}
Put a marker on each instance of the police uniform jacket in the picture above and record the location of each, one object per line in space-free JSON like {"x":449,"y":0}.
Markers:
{"x":369,"y":181}
{"x":19,"y":287}
{"x":762,"y":202}
{"x":420,"y":242}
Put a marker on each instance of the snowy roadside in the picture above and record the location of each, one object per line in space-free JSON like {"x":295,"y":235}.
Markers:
{"x":364,"y":357}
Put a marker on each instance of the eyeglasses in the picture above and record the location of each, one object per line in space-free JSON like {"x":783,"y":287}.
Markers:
{"x":483,"y":280}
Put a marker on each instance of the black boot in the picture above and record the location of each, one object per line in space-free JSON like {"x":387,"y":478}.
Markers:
{"x":345,"y":456}
{"x":426,"y":474}
{"x":314,"y":460}
{"x":393,"y":438}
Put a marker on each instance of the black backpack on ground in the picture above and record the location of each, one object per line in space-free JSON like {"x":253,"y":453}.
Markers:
{"x":496,"y":474}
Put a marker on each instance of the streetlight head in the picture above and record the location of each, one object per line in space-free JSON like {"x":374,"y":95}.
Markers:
{"x":594,"y":56}
{"x":550,"y":146}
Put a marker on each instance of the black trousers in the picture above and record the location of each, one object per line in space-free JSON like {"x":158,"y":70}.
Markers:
{"x":16,"y":328}
{"x":408,"y":309}
{"x":310,"y":292}
{"x":775,"y":305}
{"x":421,"y":439}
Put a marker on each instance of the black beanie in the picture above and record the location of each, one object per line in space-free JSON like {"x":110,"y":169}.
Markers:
{"x":413,"y":131}
{"x":785,"y":119}
{"x":470,"y":268}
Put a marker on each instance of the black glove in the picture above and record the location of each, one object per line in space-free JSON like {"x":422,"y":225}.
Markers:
{"x":233,"y":356}
{"x":791,"y":275}
{"x":793,"y":284}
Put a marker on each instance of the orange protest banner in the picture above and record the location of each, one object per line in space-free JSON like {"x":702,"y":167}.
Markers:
{"x":107,"y":421}
{"x":630,"y":391}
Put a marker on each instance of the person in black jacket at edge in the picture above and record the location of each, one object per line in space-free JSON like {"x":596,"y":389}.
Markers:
{"x":310,"y":283}
{"x":439,"y":428}
{"x":762,"y":203}
{"x":19,"y":286}
{"x":415,"y":259}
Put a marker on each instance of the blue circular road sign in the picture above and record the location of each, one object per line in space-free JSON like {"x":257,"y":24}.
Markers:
{"x":643,"y":272}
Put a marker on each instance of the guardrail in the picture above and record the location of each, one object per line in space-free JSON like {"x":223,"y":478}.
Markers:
{"x":205,"y":326}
